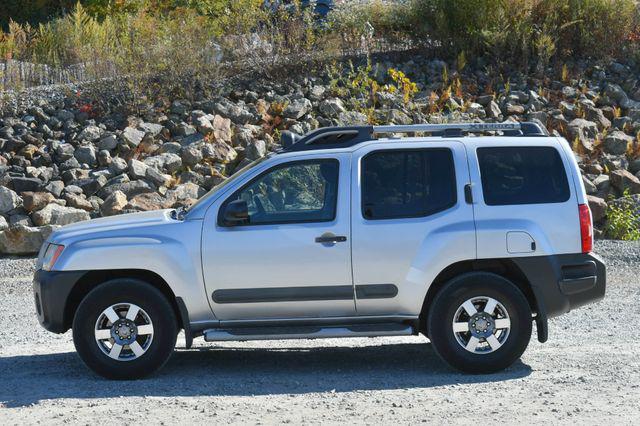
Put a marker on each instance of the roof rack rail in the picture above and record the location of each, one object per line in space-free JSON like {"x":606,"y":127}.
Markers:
{"x":342,"y":137}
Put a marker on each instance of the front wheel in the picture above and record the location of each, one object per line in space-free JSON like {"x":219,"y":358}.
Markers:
{"x":125,"y":329}
{"x":479,"y":323}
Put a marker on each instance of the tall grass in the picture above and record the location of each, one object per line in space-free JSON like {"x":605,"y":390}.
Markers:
{"x":523,"y":31}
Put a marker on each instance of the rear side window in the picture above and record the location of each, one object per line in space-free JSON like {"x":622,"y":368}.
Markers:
{"x":407,"y":183}
{"x":522,"y":175}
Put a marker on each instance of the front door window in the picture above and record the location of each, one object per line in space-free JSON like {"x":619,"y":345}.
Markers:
{"x":303,"y":191}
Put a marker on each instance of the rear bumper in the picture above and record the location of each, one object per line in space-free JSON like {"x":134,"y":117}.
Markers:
{"x":51,"y":290}
{"x":564,"y":282}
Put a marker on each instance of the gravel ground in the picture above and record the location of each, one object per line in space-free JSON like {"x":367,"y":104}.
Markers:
{"x":588,"y":372}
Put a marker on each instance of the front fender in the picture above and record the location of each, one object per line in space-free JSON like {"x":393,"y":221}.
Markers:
{"x":173,"y":254}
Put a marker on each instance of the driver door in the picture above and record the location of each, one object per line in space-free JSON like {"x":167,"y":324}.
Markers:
{"x":291,"y":258}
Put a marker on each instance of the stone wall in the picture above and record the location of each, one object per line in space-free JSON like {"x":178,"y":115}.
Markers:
{"x":61,"y":162}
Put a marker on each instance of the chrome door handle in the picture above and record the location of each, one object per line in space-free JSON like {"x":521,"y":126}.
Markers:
{"x":331,"y":239}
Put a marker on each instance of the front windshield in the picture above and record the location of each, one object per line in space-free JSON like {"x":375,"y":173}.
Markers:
{"x":227,"y":181}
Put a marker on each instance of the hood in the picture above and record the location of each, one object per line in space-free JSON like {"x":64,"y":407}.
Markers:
{"x":110,"y":224}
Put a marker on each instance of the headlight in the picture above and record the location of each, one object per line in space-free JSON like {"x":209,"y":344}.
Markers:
{"x":51,"y":255}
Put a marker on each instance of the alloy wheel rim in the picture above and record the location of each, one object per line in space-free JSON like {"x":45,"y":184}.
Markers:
{"x":124,"y":331}
{"x":481,"y":325}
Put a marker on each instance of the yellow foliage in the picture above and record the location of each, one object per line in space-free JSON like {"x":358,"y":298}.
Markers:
{"x":565,"y":73}
{"x":403,"y":84}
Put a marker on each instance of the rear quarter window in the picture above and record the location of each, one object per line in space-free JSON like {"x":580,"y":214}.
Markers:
{"x":522,"y":175}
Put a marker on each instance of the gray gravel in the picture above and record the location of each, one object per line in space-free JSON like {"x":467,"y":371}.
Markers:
{"x":588,"y":372}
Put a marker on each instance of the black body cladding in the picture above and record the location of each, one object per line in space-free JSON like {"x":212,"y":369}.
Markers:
{"x":559,"y":283}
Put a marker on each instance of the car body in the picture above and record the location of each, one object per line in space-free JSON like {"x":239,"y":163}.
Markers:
{"x":318,"y":240}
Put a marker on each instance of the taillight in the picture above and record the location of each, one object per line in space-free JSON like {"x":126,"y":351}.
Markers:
{"x":586,"y":228}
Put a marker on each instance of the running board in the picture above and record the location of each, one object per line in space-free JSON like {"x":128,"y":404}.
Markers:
{"x":307,"y":332}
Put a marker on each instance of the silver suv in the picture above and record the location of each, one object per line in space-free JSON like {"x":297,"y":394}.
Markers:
{"x":342,"y":233}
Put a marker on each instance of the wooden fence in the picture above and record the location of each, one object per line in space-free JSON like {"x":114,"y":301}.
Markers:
{"x":16,"y":75}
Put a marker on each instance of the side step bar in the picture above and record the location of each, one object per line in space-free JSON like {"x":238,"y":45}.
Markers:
{"x":307,"y":332}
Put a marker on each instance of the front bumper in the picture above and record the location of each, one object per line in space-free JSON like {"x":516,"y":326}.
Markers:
{"x":564,"y":282}
{"x":52,"y":290}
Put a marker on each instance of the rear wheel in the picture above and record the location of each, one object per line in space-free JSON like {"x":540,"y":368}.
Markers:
{"x":479,"y":323}
{"x":125,"y":329}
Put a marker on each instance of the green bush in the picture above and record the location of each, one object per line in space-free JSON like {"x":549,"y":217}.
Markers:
{"x":623,"y":219}
{"x":521,"y":30}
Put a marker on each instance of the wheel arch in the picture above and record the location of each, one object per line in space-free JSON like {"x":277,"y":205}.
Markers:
{"x":504,"y":267}
{"x":93,"y":279}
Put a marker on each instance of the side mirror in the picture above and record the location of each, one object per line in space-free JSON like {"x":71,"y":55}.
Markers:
{"x":236,"y":212}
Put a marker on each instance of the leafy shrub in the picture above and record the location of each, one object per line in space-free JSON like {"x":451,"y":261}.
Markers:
{"x":375,"y":24}
{"x":525,"y":29}
{"x":402,"y":84}
{"x":623,"y":218}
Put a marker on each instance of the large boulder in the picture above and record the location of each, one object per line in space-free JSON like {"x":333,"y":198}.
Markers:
{"x":237,"y":113}
{"x":492,"y":110}
{"x":352,"y":118}
{"x":221,"y":152}
{"x":26,"y":184}
{"x":86,"y":155}
{"x":9,"y":200}
{"x":78,"y":202}
{"x":332,"y":107}
{"x":91,"y":185}
{"x":90,"y":133}
{"x":166,"y":162}
{"x":589,"y":186}
{"x":598,"y":207}
{"x":149,"y":201}
{"x":20,"y":219}
{"x":104,"y":158}
{"x":186,"y":192}
{"x":118,"y":166}
{"x":132,"y":136}
{"x":33,"y":201}
{"x":55,"y":214}
{"x":137,"y":169}
{"x":597,"y":116}
{"x":583,"y":130}
{"x":130,"y":189}
{"x":24,"y":239}
{"x":151,"y":129}
{"x":109,"y":142}
{"x":192,"y":154}
{"x":55,"y":187}
{"x":623,"y":180}
{"x":297,"y":108}
{"x":114,"y":204}
{"x":221,"y":128}
{"x":617,"y":142}
{"x":256,"y":149}
{"x":157,"y":178}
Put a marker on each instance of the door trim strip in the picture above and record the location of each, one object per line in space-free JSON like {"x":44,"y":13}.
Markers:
{"x":283,"y":294}
{"x":376,"y":291}
{"x":303,"y":294}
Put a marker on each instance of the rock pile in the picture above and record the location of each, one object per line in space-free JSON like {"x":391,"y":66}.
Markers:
{"x":61,"y":162}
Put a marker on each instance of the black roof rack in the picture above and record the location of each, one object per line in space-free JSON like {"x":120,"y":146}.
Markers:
{"x":342,"y":137}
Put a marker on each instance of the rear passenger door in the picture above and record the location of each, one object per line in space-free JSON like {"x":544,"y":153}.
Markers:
{"x":526,"y":203}
{"x":409,"y":221}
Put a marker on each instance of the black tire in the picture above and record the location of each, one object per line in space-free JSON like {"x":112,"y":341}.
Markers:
{"x":148,"y":298}
{"x":452,"y":296}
